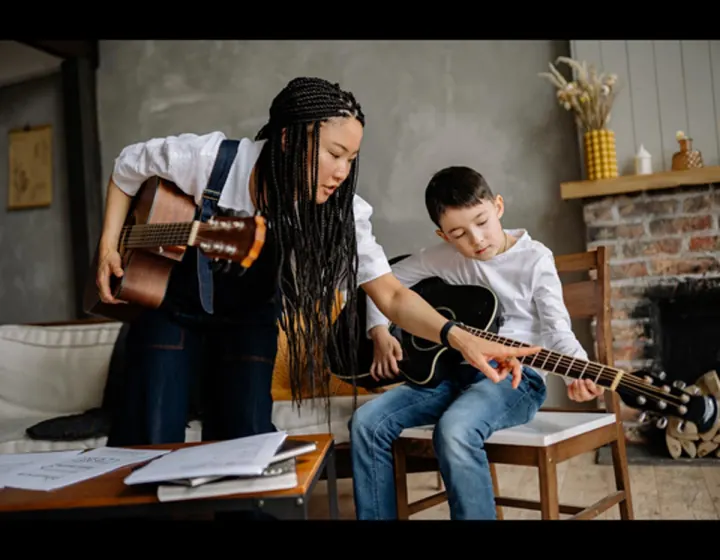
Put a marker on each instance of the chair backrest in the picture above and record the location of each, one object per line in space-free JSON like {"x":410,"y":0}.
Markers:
{"x":589,"y":298}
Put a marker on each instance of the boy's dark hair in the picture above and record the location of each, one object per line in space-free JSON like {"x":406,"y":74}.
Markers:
{"x":455,"y":187}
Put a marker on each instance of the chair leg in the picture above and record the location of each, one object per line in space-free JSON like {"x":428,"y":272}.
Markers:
{"x":496,"y":491}
{"x":622,"y":476}
{"x":439,"y":481}
{"x":401,"y":490}
{"x":547,"y":474}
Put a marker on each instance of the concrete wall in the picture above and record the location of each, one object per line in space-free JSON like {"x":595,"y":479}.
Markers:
{"x":36,"y":277}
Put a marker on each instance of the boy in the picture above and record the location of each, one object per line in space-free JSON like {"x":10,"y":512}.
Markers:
{"x":469,"y":408}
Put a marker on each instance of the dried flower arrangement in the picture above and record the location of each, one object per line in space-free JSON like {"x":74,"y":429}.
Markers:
{"x":590,"y":96}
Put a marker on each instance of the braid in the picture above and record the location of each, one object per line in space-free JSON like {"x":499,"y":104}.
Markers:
{"x":317,"y":245}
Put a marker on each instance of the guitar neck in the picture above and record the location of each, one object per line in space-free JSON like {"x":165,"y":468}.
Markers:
{"x":560,"y":364}
{"x":157,"y":235}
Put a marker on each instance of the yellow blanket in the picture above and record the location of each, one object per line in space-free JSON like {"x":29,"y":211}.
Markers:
{"x":281,"y":377}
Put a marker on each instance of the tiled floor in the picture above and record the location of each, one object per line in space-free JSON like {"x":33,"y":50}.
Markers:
{"x":659,"y":492}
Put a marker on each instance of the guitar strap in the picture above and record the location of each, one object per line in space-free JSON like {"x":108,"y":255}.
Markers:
{"x":210,"y":197}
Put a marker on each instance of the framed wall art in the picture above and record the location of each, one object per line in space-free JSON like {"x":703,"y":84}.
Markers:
{"x":30,"y":166}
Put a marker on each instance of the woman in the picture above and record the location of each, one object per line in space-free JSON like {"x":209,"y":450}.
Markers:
{"x":300,"y":173}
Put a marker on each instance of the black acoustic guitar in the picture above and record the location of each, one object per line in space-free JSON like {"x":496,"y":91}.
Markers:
{"x":475,"y":308}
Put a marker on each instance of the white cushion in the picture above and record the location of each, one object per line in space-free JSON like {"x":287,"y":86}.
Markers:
{"x":50,"y":371}
{"x":545,"y":429}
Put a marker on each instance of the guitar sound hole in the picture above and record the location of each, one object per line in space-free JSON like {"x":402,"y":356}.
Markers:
{"x":427,"y":345}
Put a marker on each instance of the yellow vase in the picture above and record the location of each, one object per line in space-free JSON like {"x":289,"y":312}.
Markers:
{"x":600,"y":154}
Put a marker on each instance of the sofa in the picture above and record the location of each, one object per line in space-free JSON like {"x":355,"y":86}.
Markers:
{"x":60,"y":370}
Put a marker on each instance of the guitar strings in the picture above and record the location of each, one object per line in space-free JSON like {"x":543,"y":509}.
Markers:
{"x":158,"y":234}
{"x":601,"y":372}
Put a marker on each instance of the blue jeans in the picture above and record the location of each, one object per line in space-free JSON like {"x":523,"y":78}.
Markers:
{"x":230,"y":363}
{"x":465,"y":415}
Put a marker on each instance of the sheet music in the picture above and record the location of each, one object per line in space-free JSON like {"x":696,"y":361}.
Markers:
{"x":50,"y":475}
{"x":14,"y":461}
{"x":247,"y":456}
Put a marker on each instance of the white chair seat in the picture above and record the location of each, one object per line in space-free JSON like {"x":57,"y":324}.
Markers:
{"x":545,"y":429}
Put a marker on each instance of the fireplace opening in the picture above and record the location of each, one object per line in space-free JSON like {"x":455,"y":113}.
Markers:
{"x":685,"y":329}
{"x":683,"y":341}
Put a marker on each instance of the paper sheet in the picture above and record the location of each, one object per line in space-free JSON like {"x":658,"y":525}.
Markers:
{"x":51,"y":475}
{"x":14,"y":461}
{"x":247,"y":456}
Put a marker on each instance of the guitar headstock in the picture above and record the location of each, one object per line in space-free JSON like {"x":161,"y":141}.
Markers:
{"x":231,"y":239}
{"x":649,"y":392}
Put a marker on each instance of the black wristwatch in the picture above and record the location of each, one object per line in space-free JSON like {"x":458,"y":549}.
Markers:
{"x":444,"y":333}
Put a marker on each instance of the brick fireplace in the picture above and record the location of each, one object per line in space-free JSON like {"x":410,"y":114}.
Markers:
{"x":658,"y":242}
{"x":664,"y":249}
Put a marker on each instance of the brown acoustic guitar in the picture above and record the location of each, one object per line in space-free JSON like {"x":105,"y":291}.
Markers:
{"x":158,"y":229}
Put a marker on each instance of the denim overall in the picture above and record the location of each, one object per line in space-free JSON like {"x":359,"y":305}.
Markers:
{"x":214,"y":338}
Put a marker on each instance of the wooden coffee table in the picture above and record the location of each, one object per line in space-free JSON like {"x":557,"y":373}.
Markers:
{"x":108,"y":495}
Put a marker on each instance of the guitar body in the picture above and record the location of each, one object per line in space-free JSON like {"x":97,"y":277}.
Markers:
{"x":157,"y":231}
{"x":424,"y":362}
{"x":146,"y":272}
{"x":428,"y":363}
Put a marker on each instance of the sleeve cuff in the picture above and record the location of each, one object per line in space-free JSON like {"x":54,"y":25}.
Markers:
{"x":129,"y":187}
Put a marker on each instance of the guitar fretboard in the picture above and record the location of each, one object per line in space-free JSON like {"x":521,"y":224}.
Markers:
{"x":557,"y":363}
{"x":155,"y":235}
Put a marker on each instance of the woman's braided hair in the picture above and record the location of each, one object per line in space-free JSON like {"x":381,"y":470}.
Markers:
{"x":316,"y":242}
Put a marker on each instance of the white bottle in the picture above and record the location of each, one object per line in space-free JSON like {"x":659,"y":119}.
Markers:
{"x":643,"y":162}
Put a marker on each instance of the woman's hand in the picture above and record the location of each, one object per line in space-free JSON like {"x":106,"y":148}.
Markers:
{"x":479,"y":352}
{"x":117,"y":206}
{"x":110,"y":263}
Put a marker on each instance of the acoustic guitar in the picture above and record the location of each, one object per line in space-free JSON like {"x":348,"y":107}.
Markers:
{"x":158,"y":229}
{"x":427,"y":363}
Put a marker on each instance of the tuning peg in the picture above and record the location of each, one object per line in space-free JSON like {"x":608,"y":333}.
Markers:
{"x":221,"y":265}
{"x":653,"y":376}
{"x":679,"y":384}
{"x":661,"y":423}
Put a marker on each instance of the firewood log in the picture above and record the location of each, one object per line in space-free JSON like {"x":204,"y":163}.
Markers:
{"x":673,"y":446}
{"x":683,"y":436}
{"x":706,"y":447}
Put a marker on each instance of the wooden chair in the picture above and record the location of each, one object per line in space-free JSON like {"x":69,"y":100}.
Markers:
{"x":554,"y":435}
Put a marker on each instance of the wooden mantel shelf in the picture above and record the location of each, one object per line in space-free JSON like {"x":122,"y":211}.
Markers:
{"x":635,"y":183}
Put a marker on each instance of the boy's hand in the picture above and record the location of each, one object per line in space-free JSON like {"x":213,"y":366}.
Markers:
{"x":582,"y":390}
{"x":386,"y":354}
